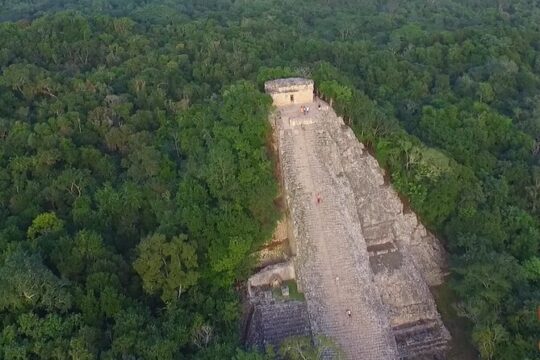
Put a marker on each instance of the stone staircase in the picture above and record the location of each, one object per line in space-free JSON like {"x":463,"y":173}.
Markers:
{"x":420,"y":340}
{"x":272,"y":322}
{"x":333,"y":258}
{"x":353,"y":246}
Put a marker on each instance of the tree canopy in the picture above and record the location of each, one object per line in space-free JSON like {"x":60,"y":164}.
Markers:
{"x":136,"y":180}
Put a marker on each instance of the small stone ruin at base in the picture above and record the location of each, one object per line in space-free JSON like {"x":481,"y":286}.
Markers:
{"x":363,"y":263}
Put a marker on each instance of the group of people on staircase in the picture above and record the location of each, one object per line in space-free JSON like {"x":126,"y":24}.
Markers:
{"x":305,"y":109}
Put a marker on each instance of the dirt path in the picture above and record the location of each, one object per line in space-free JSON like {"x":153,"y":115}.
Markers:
{"x":332,"y":260}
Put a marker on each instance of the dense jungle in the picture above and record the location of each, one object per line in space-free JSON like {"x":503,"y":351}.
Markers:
{"x":136,"y":176}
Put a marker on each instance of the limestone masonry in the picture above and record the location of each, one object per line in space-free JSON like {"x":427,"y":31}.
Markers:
{"x":364,"y":265}
{"x":290,"y":91}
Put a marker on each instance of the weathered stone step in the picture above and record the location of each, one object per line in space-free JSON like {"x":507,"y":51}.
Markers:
{"x":413,"y":327}
{"x":423,"y":337}
{"x":420,"y":352}
{"x":382,"y":248}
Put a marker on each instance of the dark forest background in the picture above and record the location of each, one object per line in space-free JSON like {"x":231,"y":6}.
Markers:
{"x":136,"y":177}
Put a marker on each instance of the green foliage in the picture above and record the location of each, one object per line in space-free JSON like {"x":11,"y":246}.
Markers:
{"x":487,"y":339}
{"x":110,"y":153}
{"x":119,"y":134}
{"x":301,"y":347}
{"x":166,"y":267}
{"x":28,"y":284}
{"x":266,"y":74}
{"x":43,"y":224}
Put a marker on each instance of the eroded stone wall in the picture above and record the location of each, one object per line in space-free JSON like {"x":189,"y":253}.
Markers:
{"x":280,"y":272}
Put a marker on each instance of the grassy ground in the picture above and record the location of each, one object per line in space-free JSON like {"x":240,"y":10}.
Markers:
{"x":461,"y":348}
{"x":294,"y":294}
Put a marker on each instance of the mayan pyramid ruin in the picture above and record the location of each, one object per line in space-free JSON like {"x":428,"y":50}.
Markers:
{"x":363,"y":264}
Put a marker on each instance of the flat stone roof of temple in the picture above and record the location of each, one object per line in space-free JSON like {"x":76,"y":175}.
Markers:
{"x":279,"y":85}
